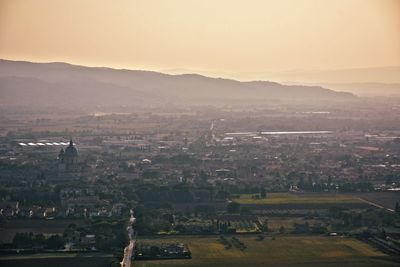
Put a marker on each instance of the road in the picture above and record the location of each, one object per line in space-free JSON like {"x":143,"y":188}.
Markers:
{"x":128,"y":250}
{"x":375,"y":204}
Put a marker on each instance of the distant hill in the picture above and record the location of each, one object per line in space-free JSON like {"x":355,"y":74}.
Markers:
{"x":373,"y":75}
{"x":368,"y":89}
{"x":365,"y":89}
{"x":385,"y":75}
{"x":65,"y":85}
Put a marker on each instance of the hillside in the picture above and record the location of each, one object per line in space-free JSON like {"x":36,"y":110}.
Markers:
{"x":55,"y":84}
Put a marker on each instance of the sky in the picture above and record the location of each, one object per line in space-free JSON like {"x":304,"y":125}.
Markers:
{"x":220,"y":36}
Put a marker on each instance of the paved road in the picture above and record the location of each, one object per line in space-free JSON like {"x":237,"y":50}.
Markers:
{"x":375,"y":204}
{"x":128,"y":250}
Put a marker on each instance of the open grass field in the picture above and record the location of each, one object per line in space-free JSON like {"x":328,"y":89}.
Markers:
{"x":299,"y":198}
{"x":283,"y":251}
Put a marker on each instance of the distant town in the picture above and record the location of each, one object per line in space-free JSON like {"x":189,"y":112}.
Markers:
{"x":200,"y":133}
{"x":145,"y":185}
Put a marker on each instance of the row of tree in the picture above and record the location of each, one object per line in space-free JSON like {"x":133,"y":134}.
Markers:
{"x":30,"y":240}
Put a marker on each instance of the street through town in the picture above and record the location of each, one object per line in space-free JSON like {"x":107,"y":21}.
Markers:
{"x":128,"y":250}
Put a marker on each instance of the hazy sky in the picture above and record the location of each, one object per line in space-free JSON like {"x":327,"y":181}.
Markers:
{"x":233,"y":36}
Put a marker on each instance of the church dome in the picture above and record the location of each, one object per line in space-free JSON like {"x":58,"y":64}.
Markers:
{"x":71,"y":150}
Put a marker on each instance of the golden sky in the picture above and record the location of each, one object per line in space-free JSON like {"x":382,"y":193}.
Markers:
{"x":233,"y":36}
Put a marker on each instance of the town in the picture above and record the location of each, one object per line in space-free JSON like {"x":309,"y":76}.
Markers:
{"x":233,"y":176}
{"x":200,"y":133}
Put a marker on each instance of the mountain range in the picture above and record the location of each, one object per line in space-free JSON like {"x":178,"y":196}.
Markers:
{"x":60,"y":84}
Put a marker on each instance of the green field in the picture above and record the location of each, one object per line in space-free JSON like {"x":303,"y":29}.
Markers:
{"x":283,"y":251}
{"x":299,"y":198}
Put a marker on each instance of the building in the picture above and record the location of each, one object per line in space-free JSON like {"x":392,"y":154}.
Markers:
{"x":68,"y":158}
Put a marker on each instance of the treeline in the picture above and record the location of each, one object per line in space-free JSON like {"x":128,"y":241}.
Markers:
{"x":341,"y":187}
{"x":180,"y":193}
{"x":368,"y":218}
{"x":110,"y":234}
{"x":30,"y":240}
{"x":184,"y":193}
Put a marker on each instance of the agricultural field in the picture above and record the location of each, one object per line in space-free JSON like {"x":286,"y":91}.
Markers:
{"x":299,"y":198}
{"x":281,"y":251}
{"x":385,"y":199}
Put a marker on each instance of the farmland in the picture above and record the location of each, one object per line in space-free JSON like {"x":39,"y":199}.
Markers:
{"x":299,"y":198}
{"x":385,"y":199}
{"x":282,"y":251}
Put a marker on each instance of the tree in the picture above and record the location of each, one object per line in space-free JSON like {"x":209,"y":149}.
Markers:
{"x":263,"y":193}
{"x":233,"y":207}
{"x":22,"y":240}
{"x":205,"y":209}
{"x":55,"y":242}
{"x":203,"y":176}
{"x":245,"y":211}
{"x":265,"y":225}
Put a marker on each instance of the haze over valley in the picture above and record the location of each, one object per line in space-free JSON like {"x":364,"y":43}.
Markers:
{"x":200,"y":133}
